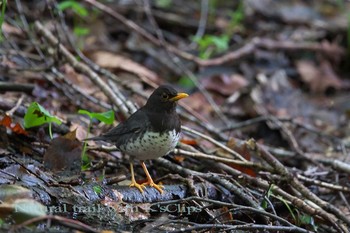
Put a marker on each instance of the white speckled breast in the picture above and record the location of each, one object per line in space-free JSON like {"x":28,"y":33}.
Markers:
{"x":152,"y":145}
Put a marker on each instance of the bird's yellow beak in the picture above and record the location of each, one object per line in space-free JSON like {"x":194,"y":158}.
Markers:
{"x":178,"y":96}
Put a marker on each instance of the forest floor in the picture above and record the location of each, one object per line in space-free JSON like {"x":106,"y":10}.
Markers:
{"x":265,"y":130}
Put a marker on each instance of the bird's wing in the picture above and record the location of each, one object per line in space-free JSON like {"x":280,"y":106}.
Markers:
{"x":126,"y":130}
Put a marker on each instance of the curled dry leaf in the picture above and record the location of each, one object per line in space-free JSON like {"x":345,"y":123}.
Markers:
{"x":80,"y":131}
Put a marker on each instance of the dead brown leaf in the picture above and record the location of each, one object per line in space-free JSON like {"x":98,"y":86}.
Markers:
{"x":197,"y":103}
{"x":225,"y":84}
{"x":15,"y":127}
{"x":64,"y":154}
{"x":11,"y":30}
{"x":113,"y":61}
{"x":319,"y":78}
{"x":242,"y":150}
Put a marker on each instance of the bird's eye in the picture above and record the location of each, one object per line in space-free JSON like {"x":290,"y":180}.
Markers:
{"x":165,"y":96}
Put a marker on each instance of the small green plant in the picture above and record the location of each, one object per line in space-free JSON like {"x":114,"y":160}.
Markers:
{"x":163,"y":3}
{"x":236,"y":21}
{"x":299,"y":218}
{"x":267,"y":195}
{"x":3,"y":4}
{"x":37,"y":115}
{"x":210,"y":45}
{"x":186,"y":82}
{"x":288,"y":207}
{"x":80,"y":11}
{"x":81,"y":31}
{"x":75,"y":6}
{"x":97,"y":189}
{"x":105,"y":117}
{"x":306,"y":219}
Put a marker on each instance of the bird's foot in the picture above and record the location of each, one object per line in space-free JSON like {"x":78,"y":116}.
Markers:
{"x":138,"y":186}
{"x":159,"y":187}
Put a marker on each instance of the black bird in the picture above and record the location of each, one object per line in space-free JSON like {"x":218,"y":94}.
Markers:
{"x":151,"y":132}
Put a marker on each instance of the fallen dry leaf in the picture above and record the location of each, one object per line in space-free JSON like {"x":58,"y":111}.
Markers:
{"x":191,"y":142}
{"x":110,"y":60}
{"x":15,"y":127}
{"x":242,"y":150}
{"x":225,"y":84}
{"x":319,"y":78}
{"x":64,"y":154}
{"x":11,"y":30}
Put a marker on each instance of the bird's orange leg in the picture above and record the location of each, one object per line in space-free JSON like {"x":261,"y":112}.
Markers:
{"x":150,"y":181}
{"x":133,"y":181}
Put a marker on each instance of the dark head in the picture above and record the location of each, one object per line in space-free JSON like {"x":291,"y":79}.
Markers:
{"x":164,"y":99}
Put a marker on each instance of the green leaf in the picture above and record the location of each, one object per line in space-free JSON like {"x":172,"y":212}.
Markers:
{"x":267,"y":195}
{"x":65,"y":5}
{"x":203,"y":42}
{"x":81,"y":31}
{"x":308,"y":220}
{"x":288,"y":207}
{"x":37,"y":115}
{"x":2,"y":17}
{"x":185,"y":81}
{"x":75,"y":6}
{"x":97,"y":189}
{"x":221,"y":42}
{"x":210,"y":44}
{"x":237,"y":18}
{"x":105,"y":117}
{"x":163,"y":3}
{"x":86,"y":162}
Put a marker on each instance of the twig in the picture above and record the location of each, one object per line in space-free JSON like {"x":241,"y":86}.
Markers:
{"x":192,"y":131}
{"x":18,"y":104}
{"x":214,"y":178}
{"x":6,"y":105}
{"x":220,"y":159}
{"x":202,"y":21}
{"x":246,"y":227}
{"x":181,"y":66}
{"x":289,"y":136}
{"x":73,"y":89}
{"x":81,"y":67}
{"x":249,"y":48}
{"x":159,"y":42}
{"x":29,"y":32}
{"x":263,"y":184}
{"x":323,"y":184}
{"x":280,"y":169}
{"x":336,"y":164}
{"x":71,"y":223}
{"x":91,"y":64}
{"x":232,"y":205}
